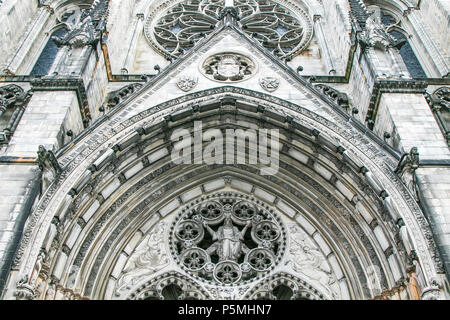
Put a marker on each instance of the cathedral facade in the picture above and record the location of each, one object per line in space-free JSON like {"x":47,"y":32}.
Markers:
{"x":225,"y":149}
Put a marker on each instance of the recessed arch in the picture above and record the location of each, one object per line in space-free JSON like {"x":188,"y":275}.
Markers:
{"x":333,"y":180}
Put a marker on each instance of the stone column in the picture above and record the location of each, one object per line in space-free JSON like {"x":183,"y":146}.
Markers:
{"x":24,"y":49}
{"x":138,"y":27}
{"x":330,"y":67}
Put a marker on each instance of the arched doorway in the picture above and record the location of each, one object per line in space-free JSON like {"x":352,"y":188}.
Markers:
{"x":347,"y":226}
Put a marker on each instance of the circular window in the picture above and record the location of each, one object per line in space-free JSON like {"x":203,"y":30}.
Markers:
{"x":227,"y":239}
{"x":283,"y":31}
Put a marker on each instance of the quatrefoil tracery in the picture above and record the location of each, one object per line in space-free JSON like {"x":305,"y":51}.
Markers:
{"x":227,"y":240}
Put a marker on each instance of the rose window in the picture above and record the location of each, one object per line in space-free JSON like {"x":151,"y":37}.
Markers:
{"x":283,"y":31}
{"x":227,"y":239}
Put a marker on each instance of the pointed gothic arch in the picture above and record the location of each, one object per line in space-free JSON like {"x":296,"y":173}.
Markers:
{"x":335,"y":187}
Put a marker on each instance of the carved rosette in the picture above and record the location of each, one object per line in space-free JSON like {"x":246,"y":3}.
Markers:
{"x":227,"y":240}
{"x":269,"y":83}
{"x":187,"y":83}
{"x":228,"y":67}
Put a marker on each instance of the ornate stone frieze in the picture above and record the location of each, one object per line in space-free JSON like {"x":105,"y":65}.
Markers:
{"x":228,"y":67}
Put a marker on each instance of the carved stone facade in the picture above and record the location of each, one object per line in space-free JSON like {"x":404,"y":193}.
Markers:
{"x":96,"y":204}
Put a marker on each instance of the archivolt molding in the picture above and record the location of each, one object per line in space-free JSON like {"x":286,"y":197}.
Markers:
{"x":122,"y":135}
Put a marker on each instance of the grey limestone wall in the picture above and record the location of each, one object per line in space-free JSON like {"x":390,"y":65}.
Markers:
{"x":409,"y":120}
{"x":16,"y":15}
{"x":18,"y":189}
{"x":46,"y":117}
{"x":434,"y":185}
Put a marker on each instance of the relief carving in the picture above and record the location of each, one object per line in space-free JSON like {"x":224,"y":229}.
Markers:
{"x":269,"y":83}
{"x":147,"y":260}
{"x":228,"y":67}
{"x":307,"y":260}
{"x":187,"y":83}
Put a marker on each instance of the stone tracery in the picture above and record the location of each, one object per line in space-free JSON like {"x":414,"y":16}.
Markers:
{"x":227,"y":240}
{"x":279,"y":29}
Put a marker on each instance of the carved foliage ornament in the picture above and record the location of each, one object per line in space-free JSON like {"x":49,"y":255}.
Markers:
{"x":228,"y":67}
{"x":227,"y":240}
{"x":187,"y":83}
{"x":277,"y":28}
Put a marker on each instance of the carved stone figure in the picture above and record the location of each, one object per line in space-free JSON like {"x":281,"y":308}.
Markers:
{"x":147,"y":260}
{"x":308,"y":260}
{"x":37,"y":267}
{"x":228,"y":240}
{"x":85,"y":27}
{"x":49,"y":165}
{"x":376,"y":35}
{"x":241,"y":239}
{"x":24,"y":291}
{"x":51,"y":291}
{"x":406,"y":167}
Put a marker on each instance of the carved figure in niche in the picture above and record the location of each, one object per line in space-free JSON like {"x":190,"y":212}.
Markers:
{"x":376,"y":34}
{"x":51,"y":291}
{"x":228,"y":240}
{"x":408,"y":164}
{"x":147,"y":260}
{"x":49,"y":166}
{"x":308,"y":260}
{"x":37,"y":267}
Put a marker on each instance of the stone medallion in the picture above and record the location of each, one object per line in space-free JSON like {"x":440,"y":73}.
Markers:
{"x":227,"y":240}
{"x":187,"y":83}
{"x":228,"y":67}
{"x":269,"y":83}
